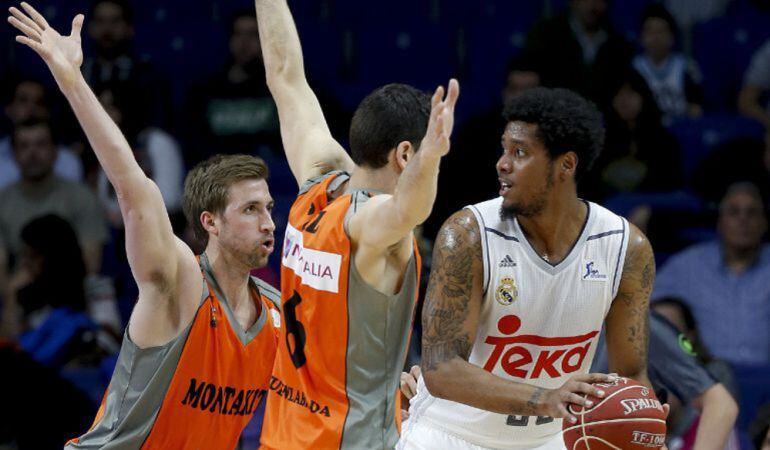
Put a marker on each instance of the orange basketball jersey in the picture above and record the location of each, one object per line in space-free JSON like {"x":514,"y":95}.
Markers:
{"x":196,"y":392}
{"x":342,"y":343}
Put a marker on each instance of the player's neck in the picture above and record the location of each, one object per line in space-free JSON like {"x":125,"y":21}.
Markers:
{"x":553,"y":232}
{"x":378,"y":180}
{"x":231,"y":275}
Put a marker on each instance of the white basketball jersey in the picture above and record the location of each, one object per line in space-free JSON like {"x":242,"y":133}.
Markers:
{"x":539,"y":322}
{"x":666,"y":82}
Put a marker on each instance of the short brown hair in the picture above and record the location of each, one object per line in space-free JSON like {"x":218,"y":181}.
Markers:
{"x":207,"y":184}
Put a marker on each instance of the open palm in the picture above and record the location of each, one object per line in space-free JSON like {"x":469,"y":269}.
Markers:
{"x":62,"y":54}
{"x":441,"y":121}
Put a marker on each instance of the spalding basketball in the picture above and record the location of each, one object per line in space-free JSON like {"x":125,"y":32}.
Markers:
{"x":629,"y":417}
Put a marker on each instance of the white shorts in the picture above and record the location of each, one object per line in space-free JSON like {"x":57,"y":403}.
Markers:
{"x":421,"y":436}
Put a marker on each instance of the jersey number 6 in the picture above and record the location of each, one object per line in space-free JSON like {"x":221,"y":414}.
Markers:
{"x":295,"y":331}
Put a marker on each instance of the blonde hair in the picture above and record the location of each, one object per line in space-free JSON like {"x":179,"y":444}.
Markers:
{"x":207,"y":185}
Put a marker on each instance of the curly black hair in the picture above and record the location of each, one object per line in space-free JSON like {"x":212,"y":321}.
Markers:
{"x":565,"y":122}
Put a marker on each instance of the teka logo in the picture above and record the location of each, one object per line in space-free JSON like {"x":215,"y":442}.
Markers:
{"x":648,"y":439}
{"x":317,"y":269}
{"x":524,"y":356}
{"x":593,"y":272}
{"x":631,"y":405}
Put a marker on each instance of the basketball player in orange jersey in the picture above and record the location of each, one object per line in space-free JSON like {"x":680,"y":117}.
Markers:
{"x":197,"y":355}
{"x":520,"y":288}
{"x":350,"y":267}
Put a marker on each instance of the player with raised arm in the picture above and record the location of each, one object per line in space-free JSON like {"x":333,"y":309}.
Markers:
{"x":198,"y":351}
{"x":350,"y":267}
{"x":520,"y":288}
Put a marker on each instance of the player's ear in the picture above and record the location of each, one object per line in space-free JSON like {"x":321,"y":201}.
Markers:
{"x":209,"y":223}
{"x":567,"y":165}
{"x":404,"y":151}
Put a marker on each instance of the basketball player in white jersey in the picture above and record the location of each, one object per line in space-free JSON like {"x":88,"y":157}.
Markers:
{"x":520,"y":288}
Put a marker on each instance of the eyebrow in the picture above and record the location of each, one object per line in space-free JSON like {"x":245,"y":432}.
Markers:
{"x":258,"y":202}
{"x":513,"y":140}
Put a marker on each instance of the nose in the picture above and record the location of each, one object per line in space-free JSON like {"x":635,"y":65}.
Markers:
{"x":503,"y":165}
{"x":267,"y":225}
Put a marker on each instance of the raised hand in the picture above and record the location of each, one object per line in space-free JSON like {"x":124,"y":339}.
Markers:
{"x":441,"y":122}
{"x":62,"y":54}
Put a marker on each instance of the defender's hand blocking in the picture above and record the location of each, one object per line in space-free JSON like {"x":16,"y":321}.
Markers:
{"x":441,"y":122}
{"x":62,"y":54}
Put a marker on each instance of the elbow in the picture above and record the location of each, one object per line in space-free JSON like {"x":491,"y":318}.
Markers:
{"x":437,"y":380}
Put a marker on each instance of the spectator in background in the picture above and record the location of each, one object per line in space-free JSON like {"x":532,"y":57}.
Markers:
{"x":111,"y":30}
{"x":673,"y":79}
{"x":760,"y":429}
{"x":724,"y":282}
{"x":756,"y":86}
{"x":233,"y":112}
{"x":50,"y":305}
{"x":157,"y":152}
{"x":639,"y":154}
{"x":580,"y":50}
{"x":40,"y":191}
{"x":28,"y":101}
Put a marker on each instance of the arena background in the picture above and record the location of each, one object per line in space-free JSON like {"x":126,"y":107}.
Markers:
{"x":179,"y":81}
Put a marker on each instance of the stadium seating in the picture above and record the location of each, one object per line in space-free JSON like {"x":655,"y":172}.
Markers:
{"x":723,"y":48}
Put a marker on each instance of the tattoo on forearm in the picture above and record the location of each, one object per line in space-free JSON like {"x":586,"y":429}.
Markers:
{"x":638,"y":278}
{"x":456,"y":253}
{"x":533,"y":401}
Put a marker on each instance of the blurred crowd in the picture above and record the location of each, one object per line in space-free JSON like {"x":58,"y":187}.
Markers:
{"x":684,"y":86}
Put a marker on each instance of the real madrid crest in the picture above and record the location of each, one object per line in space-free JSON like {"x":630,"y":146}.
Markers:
{"x":507,"y":292}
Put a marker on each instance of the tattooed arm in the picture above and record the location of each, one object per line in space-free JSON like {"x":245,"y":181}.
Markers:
{"x":628,"y":320}
{"x":450,"y":319}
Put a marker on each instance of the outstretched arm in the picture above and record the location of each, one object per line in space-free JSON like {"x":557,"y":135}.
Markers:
{"x":627,"y":323}
{"x":388,"y":219}
{"x":307,"y":141}
{"x":450,"y":319}
{"x":149,"y":237}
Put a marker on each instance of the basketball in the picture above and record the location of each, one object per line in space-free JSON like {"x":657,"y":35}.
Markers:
{"x":628,"y":417}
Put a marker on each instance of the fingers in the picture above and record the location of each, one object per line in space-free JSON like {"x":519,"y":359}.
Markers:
{"x":666,"y":409}
{"x":415,"y":371}
{"x":563,"y":412}
{"x":28,"y":31}
{"x":36,"y":16}
{"x":408,"y":385}
{"x":404,"y":415}
{"x":411,"y":384}
{"x":452,"y":93}
{"x":77,"y":26}
{"x":585,"y":388}
{"x":596,"y":378}
{"x":21,"y":17}
{"x":580,"y":400}
{"x":440,"y":124}
{"x":34,"y":45}
{"x":438,"y":95}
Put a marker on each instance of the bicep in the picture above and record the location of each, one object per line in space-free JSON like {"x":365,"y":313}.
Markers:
{"x":150,"y":239}
{"x":307,"y":141}
{"x":628,"y":319}
{"x":453,"y":300}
